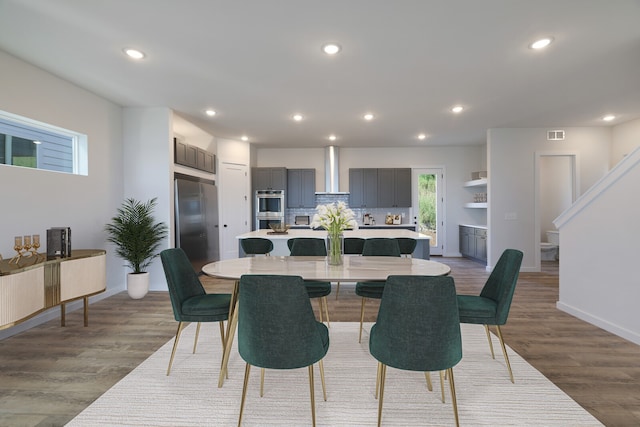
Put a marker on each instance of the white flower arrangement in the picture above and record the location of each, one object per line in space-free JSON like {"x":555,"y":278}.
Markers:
{"x":334,"y":217}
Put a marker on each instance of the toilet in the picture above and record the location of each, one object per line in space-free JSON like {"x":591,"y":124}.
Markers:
{"x":550,"y":250}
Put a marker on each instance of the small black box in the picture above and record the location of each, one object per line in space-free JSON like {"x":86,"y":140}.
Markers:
{"x":58,"y":242}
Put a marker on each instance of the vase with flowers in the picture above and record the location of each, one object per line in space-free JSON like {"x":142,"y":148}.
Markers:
{"x":335,"y":218}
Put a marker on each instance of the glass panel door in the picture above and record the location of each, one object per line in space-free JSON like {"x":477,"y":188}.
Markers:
{"x":427,"y":205}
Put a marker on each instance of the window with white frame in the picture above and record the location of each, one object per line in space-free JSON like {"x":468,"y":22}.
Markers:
{"x":28,"y":143}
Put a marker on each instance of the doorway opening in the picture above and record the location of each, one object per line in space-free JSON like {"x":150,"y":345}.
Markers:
{"x":556,"y":182}
{"x":428,"y":202}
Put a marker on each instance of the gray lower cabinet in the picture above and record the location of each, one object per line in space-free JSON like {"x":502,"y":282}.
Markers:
{"x":301,"y":188}
{"x":473,"y":243}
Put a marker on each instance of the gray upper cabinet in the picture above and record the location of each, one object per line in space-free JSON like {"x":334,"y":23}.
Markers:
{"x":394,"y":187}
{"x":363,"y":188}
{"x":194,"y":157}
{"x":301,"y":188}
{"x":206,"y":161}
{"x":269,"y":178}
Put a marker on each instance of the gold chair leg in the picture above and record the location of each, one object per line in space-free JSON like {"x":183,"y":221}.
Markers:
{"x":244,"y":392}
{"x":504,"y":351}
{"x":337,"y":290}
{"x":320,"y":310}
{"x":195,"y":342}
{"x":383,"y":374}
{"x":175,"y":346}
{"x":313,"y":401}
{"x":224,"y":344}
{"x":324,"y":386}
{"x":378,"y":378}
{"x":361,"y":319}
{"x":427,"y":376}
{"x":442,"y":385}
{"x":326,"y":310}
{"x":222,"y":337}
{"x":454,"y":402}
{"x":486,"y":328}
{"x":261,"y":382}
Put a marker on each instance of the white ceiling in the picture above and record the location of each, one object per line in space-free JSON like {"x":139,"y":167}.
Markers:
{"x":256,"y":62}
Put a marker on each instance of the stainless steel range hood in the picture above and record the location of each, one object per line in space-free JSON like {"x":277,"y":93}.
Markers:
{"x":332,"y":171}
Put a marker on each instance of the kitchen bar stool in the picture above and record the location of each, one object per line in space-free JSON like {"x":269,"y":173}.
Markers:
{"x":256,"y":246}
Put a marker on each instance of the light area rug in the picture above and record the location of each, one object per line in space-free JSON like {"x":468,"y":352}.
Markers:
{"x":190,"y":395}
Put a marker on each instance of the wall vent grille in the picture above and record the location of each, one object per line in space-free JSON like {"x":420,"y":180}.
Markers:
{"x":555,"y":135}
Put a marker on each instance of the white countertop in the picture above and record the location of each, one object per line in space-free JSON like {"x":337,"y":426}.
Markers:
{"x":484,"y":227}
{"x":362,"y":233}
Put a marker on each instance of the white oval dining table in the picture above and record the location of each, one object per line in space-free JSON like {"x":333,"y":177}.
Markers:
{"x":354,"y":269}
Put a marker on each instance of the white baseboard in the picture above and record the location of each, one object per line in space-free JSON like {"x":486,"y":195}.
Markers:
{"x":627,"y":334}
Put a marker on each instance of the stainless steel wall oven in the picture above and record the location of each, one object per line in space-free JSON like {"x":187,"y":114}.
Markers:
{"x":269,"y":208}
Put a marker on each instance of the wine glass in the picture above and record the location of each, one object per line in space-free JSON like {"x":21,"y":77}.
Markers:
{"x":27,"y":244}
{"x":17,"y":245}
{"x":36,"y":243}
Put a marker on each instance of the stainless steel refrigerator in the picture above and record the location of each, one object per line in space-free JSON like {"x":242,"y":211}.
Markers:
{"x":196,"y":219}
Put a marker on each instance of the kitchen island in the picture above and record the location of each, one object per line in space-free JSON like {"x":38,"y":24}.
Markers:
{"x":280,"y":240}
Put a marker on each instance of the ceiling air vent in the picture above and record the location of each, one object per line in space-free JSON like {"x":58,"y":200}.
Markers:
{"x":555,"y":135}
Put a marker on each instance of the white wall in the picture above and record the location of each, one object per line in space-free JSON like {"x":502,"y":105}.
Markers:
{"x":626,"y":137}
{"x":148,"y":171}
{"x":458,"y":162}
{"x":602,"y":286}
{"x":511,"y":157}
{"x":35,"y":200}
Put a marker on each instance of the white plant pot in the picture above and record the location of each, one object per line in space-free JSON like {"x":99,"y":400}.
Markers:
{"x":137,"y":285}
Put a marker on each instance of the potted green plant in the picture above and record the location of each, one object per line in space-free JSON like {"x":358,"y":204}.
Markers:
{"x":137,"y":238}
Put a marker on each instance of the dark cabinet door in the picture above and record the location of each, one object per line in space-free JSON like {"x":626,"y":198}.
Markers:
{"x":386,"y":188}
{"x":394,"y":187}
{"x":308,"y":195}
{"x":301,"y":188}
{"x":363,"y":187}
{"x":467,"y":241}
{"x":480,"y":241}
{"x":402,"y":187}
{"x":269,"y":178}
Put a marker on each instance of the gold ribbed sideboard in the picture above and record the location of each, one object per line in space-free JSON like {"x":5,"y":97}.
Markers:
{"x":32,"y":287}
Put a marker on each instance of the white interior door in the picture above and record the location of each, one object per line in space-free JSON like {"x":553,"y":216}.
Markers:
{"x":428,"y":205}
{"x":234,"y":208}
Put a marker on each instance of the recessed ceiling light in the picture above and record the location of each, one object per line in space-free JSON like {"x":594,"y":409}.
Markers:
{"x":541,"y":44}
{"x":134,"y":53}
{"x":297,"y":117}
{"x":608,"y":118}
{"x":457,"y":109}
{"x":368,"y":116}
{"x":331,"y":48}
{"x":244,"y":138}
{"x":422,"y":136}
{"x":210,"y":112}
{"x":332,"y":137}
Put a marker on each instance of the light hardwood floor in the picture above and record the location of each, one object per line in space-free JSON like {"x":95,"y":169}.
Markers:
{"x":49,"y":374}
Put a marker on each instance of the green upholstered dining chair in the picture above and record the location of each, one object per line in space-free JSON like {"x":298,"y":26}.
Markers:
{"x":417,"y":330}
{"x":278,"y":330}
{"x":491,"y":307}
{"x":379,"y":246}
{"x":311,"y":246}
{"x":407,"y":245}
{"x":189,"y":300}
{"x":256,"y":246}
{"x":352,"y":246}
